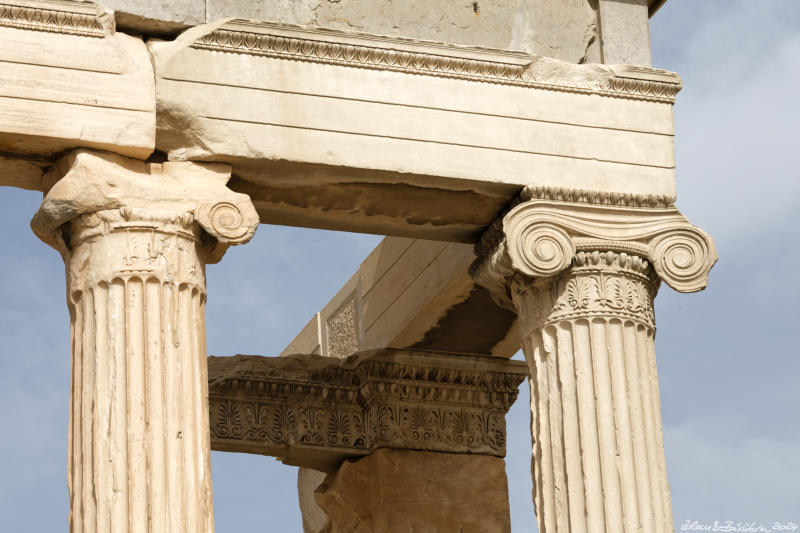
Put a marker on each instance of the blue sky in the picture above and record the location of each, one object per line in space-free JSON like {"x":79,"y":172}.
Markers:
{"x":728,"y":358}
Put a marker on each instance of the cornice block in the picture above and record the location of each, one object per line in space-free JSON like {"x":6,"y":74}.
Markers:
{"x":314,"y":411}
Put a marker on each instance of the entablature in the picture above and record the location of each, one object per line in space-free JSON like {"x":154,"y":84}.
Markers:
{"x":359,"y":132}
{"x":315,"y":411}
{"x":328,"y":128}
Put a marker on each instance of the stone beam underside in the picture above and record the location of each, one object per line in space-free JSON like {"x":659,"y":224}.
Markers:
{"x":411,"y":293}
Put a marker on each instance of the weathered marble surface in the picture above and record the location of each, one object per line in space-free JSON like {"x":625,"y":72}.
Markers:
{"x":547,"y":229}
{"x":320,"y":143}
{"x":17,"y":170}
{"x":567,"y":29}
{"x":581,"y":270}
{"x":69,"y":81}
{"x":135,"y":238}
{"x":83,"y":182}
{"x":395,"y":491}
{"x":598,"y":450}
{"x":317,"y":124}
{"x":334,"y":129}
{"x":315,"y":411}
{"x":157,"y":17}
{"x":625,"y":32}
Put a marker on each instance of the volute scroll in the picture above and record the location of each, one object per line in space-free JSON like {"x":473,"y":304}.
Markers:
{"x":539,"y":250}
{"x":683,"y":258}
{"x":231,"y":221}
{"x":541,"y":235}
{"x":86,"y":182}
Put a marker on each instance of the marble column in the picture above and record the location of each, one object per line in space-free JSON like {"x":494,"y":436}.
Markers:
{"x":135,"y":239}
{"x":581,"y":270}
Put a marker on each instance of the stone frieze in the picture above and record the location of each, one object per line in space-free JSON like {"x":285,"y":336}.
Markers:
{"x":315,"y":411}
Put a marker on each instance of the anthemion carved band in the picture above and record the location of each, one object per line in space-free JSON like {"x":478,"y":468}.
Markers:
{"x":527,"y":192}
{"x":348,"y":408}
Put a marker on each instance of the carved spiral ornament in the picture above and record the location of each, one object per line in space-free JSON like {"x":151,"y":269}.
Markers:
{"x":683,"y":258}
{"x":228,"y":222}
{"x":538,"y":249}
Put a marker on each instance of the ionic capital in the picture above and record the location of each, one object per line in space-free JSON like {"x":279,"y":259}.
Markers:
{"x":542,"y":234}
{"x":123,"y":191}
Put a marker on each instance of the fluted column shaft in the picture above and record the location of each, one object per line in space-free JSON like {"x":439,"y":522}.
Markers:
{"x":581,"y":269}
{"x":135,"y":238}
{"x":598,"y":454}
{"x":139,"y":446}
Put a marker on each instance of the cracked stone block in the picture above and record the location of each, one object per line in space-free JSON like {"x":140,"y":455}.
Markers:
{"x":157,"y":16}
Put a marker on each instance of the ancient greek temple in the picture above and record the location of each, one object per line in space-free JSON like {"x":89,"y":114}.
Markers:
{"x":517,"y":155}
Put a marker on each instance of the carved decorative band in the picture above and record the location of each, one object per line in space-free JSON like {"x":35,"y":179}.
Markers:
{"x":229,"y":222}
{"x":596,"y":197}
{"x":449,"y":386}
{"x":103,"y":222}
{"x":650,"y":89}
{"x":362,"y":56}
{"x":295,"y":43}
{"x":126,"y":243}
{"x":590,"y":245}
{"x":632,"y":264}
{"x":289,"y":430}
{"x":314,"y":411}
{"x":604,"y":285}
{"x":32,"y":18}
